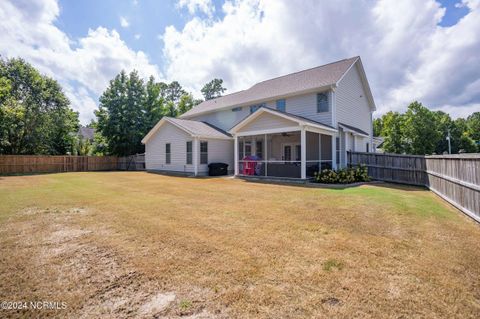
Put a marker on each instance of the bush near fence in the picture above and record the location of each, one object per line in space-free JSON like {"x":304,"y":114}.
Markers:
{"x":455,"y":178}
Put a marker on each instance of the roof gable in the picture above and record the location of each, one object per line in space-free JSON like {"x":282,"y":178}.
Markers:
{"x":287,"y":120}
{"x":194,"y":128}
{"x":320,"y":77}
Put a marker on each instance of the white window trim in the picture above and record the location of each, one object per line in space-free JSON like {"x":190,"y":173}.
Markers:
{"x":186,"y":152}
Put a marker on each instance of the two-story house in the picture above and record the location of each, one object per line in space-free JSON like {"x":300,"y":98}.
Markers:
{"x":289,"y":126}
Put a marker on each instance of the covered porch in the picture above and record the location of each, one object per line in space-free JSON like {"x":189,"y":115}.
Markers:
{"x":276,"y":144}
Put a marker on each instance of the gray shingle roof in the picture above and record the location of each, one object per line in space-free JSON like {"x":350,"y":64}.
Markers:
{"x":199,"y":128}
{"x":86,"y":133}
{"x":353,"y":128}
{"x":318,"y":77}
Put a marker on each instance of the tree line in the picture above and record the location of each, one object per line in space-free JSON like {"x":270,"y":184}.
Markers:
{"x":420,"y":131}
{"x":36,"y":117}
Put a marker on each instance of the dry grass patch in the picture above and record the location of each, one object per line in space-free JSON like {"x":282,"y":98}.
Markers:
{"x":124,"y":245}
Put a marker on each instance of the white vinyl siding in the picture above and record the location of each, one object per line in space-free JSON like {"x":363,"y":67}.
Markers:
{"x":155,"y":155}
{"x":306,"y":105}
{"x":218,"y":151}
{"x":224,"y":119}
{"x":352,"y":107}
{"x":361,"y":143}
{"x":267,"y":121}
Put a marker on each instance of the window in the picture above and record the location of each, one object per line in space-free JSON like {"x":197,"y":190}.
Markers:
{"x":368,"y":147}
{"x":281,"y":105}
{"x":189,"y":152}
{"x":322,"y":102}
{"x":259,"y":149}
{"x":253,"y":108}
{"x":237,"y":109}
{"x":168,"y":155}
{"x":203,"y":152}
{"x":338,"y":149}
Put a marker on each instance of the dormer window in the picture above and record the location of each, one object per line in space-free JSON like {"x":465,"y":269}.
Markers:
{"x":322,"y":102}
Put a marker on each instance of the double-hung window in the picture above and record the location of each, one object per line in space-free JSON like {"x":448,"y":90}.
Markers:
{"x":168,"y":154}
{"x":281,"y":105}
{"x":322,"y":102}
{"x":189,"y":153}
{"x":203,"y":152}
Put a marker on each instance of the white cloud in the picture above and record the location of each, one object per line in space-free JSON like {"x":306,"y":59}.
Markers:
{"x":407,"y":55}
{"x":83,"y":67}
{"x":137,"y":36}
{"x":194,"y":6}
{"x":124,"y":22}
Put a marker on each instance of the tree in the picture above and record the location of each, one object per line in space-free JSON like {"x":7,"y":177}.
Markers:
{"x":392,"y":131}
{"x":213,"y":89}
{"x":377,"y":127}
{"x":173,"y":92}
{"x":154,"y":103}
{"x":419,"y":130}
{"x":473,"y":126}
{"x":121,"y":115}
{"x":186,"y":103}
{"x":467,"y":145}
{"x":35,"y":114}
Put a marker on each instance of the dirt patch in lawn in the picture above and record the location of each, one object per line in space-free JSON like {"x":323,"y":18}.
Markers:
{"x":138,"y":245}
{"x":91,"y":278}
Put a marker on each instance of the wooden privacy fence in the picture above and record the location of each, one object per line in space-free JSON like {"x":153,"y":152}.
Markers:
{"x":25,"y":164}
{"x":455,"y":178}
{"x":132,"y":163}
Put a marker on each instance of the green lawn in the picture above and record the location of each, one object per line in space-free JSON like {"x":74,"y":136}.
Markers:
{"x":134,"y":244}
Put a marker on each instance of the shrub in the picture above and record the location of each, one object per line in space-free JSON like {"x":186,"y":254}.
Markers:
{"x":342,"y":176}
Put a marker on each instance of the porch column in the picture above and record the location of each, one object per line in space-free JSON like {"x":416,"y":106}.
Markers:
{"x":303,"y":157}
{"x":265,"y":156}
{"x":235,"y":152}
{"x":195,"y":156}
{"x":334,"y":152}
{"x":319,"y":152}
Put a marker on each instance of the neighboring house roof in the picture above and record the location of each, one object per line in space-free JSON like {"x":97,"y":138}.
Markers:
{"x":86,"y":133}
{"x":321,"y":77}
{"x":378,"y":140}
{"x":352,"y":129}
{"x":194,"y":128}
{"x":295,"y":118}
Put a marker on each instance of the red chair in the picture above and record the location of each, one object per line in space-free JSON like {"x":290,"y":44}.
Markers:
{"x":248,"y":168}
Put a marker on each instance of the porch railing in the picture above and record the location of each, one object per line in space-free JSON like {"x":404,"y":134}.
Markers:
{"x":280,"y":168}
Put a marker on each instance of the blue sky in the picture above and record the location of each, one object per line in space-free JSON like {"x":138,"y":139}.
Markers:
{"x":411,"y":49}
